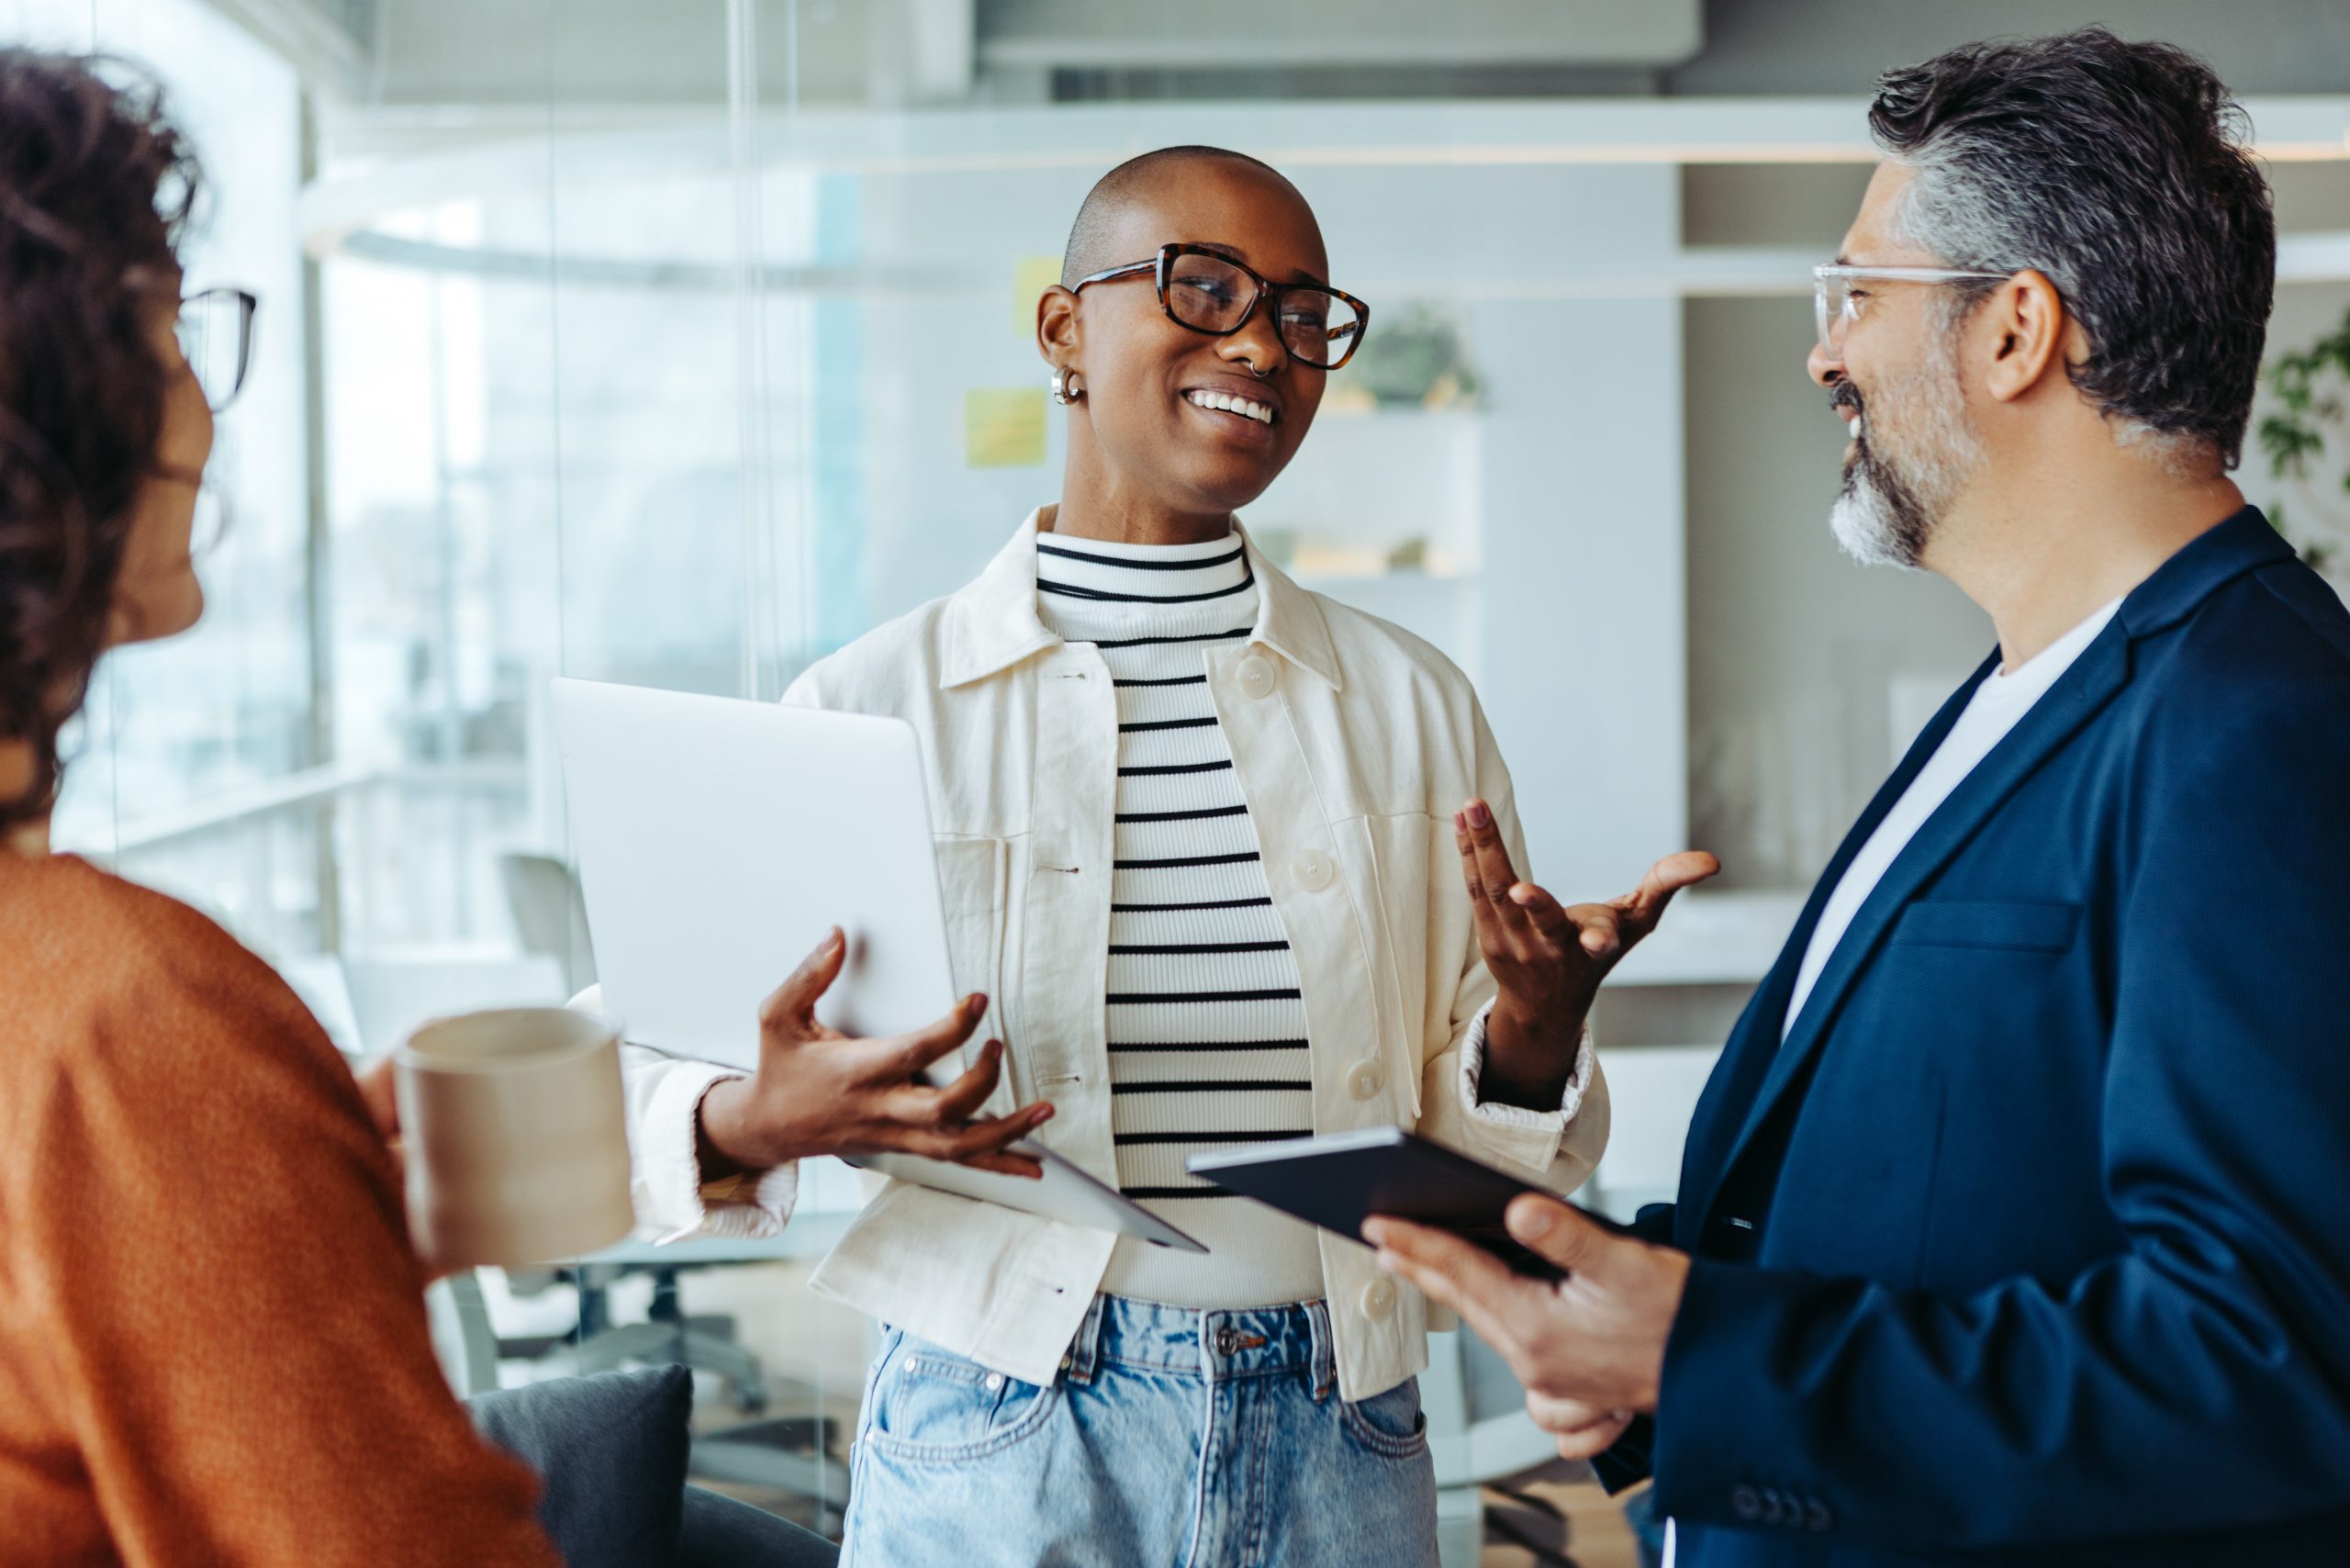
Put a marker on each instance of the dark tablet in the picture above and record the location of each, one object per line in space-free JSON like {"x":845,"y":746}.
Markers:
{"x":1340,"y":1181}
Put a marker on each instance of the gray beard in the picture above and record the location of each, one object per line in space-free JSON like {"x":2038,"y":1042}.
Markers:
{"x":1889,"y":507}
{"x":1877,"y":519}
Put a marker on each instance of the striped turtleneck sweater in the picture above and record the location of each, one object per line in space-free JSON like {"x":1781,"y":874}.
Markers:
{"x":1206,"y":1026}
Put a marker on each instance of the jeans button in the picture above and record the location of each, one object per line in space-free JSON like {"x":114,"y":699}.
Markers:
{"x":1313,"y":869}
{"x":1255,"y":676}
{"x":994,"y":1381}
{"x":1379,"y":1299}
{"x":1365,"y":1079}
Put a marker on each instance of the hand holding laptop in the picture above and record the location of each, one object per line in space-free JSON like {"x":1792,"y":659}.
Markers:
{"x":817,"y":1091}
{"x":706,"y":825}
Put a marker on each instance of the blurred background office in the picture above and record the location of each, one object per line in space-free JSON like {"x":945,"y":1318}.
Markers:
{"x":680,"y":342}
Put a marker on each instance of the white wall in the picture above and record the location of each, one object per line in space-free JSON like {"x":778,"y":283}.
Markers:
{"x":1792,"y":645}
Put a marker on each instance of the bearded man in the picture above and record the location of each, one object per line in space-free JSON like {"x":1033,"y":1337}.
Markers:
{"x":2014,"y":1226}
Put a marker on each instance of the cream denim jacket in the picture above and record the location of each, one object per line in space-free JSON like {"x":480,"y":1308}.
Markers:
{"x":1354,"y":743}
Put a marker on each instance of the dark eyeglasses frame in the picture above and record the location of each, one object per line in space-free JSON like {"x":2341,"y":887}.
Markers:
{"x":247,"y":306}
{"x":1162,"y":270}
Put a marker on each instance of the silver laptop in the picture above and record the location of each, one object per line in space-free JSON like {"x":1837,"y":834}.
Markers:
{"x":719,"y":839}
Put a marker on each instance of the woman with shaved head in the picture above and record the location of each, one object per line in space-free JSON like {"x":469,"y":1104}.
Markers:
{"x":1235,"y":864}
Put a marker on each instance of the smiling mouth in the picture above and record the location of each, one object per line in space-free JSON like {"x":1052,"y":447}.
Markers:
{"x":1240,"y":407}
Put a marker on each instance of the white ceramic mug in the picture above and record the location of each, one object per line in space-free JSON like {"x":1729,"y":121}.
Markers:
{"x":517,"y":1142}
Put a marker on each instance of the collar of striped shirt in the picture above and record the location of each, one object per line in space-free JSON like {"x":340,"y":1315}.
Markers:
{"x":1142,"y":577}
{"x":992,"y":623}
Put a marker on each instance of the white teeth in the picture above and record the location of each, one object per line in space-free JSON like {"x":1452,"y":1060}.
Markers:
{"x":1226,"y":403}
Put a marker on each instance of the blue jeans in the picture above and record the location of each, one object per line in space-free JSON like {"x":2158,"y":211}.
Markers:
{"x":1173,"y":1438}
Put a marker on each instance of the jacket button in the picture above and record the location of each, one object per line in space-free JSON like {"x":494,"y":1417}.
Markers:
{"x":1379,"y":1299}
{"x":1312,"y":869}
{"x":1366,"y":1079}
{"x":1816,"y":1515}
{"x":1255,"y":676}
{"x":1745,"y":1502}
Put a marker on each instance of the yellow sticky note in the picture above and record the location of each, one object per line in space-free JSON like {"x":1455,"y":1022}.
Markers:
{"x":1031,"y":275}
{"x":1003,"y":427}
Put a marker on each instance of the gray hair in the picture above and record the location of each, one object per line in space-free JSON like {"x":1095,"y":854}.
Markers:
{"x":2118,"y":170}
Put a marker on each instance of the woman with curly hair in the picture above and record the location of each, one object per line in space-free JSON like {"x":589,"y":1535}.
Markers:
{"x":212,"y":1336}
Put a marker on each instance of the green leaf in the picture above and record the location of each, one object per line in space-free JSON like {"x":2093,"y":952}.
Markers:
{"x":2289,"y":444}
{"x":2308,"y":385}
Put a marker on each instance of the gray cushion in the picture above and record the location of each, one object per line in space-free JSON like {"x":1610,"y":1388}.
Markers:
{"x":612,"y":1449}
{"x":722,"y":1533}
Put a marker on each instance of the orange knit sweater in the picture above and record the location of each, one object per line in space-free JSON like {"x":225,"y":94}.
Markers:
{"x":212,"y":1335}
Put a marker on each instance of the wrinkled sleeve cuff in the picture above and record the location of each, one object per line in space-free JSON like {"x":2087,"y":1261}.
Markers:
{"x":673,"y":1202}
{"x":1521,"y":1133}
{"x":750,"y":1206}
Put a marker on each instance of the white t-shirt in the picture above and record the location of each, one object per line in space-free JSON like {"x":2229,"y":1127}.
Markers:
{"x":1997,"y":707}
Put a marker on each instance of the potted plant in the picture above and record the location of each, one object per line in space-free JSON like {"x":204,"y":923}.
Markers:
{"x":2308,"y":442}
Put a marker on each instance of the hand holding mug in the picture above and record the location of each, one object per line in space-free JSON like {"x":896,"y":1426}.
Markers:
{"x":509,"y":1130}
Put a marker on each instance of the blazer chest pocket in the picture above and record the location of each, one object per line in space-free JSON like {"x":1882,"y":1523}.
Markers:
{"x":2010,"y":926}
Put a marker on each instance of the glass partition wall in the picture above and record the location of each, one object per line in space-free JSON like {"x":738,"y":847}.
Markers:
{"x":554,"y":386}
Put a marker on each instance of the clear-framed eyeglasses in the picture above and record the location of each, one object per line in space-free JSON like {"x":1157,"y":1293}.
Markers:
{"x":216,"y":333}
{"x":1839,"y":294}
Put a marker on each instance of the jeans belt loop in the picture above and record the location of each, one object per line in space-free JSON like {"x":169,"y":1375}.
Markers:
{"x":1085,"y":1350}
{"x":1326,"y":1357}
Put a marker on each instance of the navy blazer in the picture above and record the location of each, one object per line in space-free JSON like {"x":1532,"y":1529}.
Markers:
{"x":2032,"y":1244}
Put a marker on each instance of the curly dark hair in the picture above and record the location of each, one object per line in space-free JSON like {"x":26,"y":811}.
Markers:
{"x":96,"y":190}
{"x":2120,"y":170}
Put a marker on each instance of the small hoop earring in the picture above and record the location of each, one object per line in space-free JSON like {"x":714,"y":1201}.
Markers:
{"x":1067,"y":388}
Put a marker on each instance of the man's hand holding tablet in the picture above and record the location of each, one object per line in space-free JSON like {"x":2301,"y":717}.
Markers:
{"x":1587,"y":1344}
{"x":817,"y":1091}
{"x":1531,"y":1273}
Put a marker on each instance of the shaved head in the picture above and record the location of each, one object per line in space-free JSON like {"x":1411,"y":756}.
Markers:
{"x":1150,"y":395}
{"x":1094,"y":233}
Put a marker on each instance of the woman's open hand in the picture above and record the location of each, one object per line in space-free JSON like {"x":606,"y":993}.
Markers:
{"x":1548,"y":960}
{"x":820,"y":1092}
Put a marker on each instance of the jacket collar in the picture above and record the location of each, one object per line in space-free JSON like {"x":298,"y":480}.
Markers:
{"x":991,"y":623}
{"x":2245,"y":542}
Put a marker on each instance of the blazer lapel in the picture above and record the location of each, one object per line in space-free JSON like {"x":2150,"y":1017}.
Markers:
{"x":2102,"y":670}
{"x":1753,"y":1046}
{"x":1756,"y":1069}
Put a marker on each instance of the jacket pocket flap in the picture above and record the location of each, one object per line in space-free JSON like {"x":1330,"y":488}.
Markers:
{"x":2029,"y":926}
